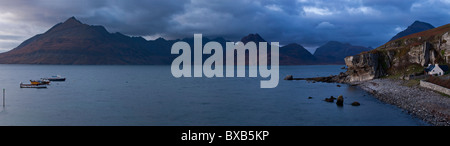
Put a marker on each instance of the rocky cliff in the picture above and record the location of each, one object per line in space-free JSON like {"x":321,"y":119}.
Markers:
{"x":404,"y":56}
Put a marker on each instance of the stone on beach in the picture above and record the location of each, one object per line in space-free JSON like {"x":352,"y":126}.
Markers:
{"x":425,"y":104}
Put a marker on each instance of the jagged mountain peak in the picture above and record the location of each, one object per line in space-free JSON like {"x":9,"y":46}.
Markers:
{"x":334,"y":43}
{"x":293,"y":45}
{"x":160,"y":39}
{"x":72,"y":20}
{"x":253,"y":37}
{"x":420,"y":23}
{"x":70,"y":23}
{"x":417,"y":26}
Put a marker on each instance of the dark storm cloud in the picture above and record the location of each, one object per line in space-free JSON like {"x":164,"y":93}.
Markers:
{"x":307,"y":22}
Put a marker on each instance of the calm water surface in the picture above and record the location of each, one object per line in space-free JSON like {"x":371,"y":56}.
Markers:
{"x":150,"y":95}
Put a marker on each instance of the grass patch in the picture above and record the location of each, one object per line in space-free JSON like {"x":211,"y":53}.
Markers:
{"x":414,"y":69}
{"x":405,"y":70}
{"x":412,"y":83}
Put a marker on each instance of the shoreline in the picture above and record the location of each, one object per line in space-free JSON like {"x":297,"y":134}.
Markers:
{"x":427,"y":105}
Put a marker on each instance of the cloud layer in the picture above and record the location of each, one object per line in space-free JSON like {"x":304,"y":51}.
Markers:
{"x":307,"y":22}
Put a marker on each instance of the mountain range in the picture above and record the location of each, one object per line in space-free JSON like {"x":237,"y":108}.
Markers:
{"x":73,"y":42}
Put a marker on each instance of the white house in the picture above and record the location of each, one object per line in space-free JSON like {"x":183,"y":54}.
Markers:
{"x":436,"y":69}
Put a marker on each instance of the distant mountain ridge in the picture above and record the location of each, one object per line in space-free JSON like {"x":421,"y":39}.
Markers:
{"x":334,"y":52}
{"x":72,"y":42}
{"x":295,"y":54}
{"x":253,"y":37}
{"x":291,"y":54}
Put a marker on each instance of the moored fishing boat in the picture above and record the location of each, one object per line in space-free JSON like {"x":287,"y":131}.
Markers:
{"x":22,"y":85}
{"x":40,"y":82}
{"x":55,"y":78}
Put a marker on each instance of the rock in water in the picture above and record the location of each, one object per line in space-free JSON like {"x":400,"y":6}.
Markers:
{"x":289,"y":77}
{"x":331,"y":99}
{"x":340,"y":101}
{"x":356,"y":103}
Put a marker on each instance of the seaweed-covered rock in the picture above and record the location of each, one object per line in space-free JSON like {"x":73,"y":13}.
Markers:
{"x":340,"y":101}
{"x":356,"y":103}
{"x":331,"y":99}
{"x":289,"y":77}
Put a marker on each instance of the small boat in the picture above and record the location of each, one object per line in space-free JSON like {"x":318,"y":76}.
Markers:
{"x":32,"y":86}
{"x":55,"y":78}
{"x":40,"y":82}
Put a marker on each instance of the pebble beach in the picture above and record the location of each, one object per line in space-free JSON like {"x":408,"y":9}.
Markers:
{"x":428,"y":105}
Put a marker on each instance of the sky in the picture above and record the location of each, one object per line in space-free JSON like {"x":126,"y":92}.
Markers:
{"x":310,"y":23}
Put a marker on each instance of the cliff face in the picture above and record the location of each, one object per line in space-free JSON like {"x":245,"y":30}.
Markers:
{"x":401,"y":57}
{"x":364,"y":67}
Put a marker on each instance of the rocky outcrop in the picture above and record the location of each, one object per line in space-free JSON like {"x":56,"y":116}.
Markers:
{"x":289,"y":77}
{"x":340,"y":78}
{"x":355,"y":104}
{"x":364,"y":67}
{"x":340,"y":101}
{"x":331,"y":99}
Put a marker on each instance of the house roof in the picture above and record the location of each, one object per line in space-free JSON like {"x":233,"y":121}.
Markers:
{"x":444,"y":67}
{"x":431,"y":67}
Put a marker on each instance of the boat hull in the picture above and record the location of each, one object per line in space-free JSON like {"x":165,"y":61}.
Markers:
{"x":32,"y":86}
{"x":57,"y":79}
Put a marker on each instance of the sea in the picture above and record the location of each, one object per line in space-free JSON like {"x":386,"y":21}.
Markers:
{"x":140,"y":95}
